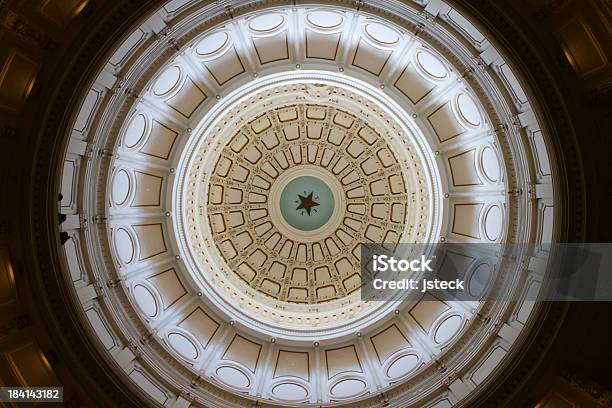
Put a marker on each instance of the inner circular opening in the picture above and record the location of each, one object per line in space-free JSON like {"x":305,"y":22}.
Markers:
{"x":306,"y":203}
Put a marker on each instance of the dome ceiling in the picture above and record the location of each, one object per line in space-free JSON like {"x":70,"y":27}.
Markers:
{"x":282,"y":244}
{"x":243,"y":156}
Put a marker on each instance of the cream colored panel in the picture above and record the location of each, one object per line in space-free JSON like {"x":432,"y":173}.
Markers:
{"x":225,"y":67}
{"x":169,"y":287}
{"x":74,"y":263}
{"x":298,"y":294}
{"x":540,"y":152}
{"x":187,"y":99}
{"x":148,"y":190}
{"x":273,"y":48}
{"x":270,"y":286}
{"x":326,"y":292}
{"x":388,"y":342}
{"x":444,"y":123}
{"x":160,"y":141}
{"x":69,"y":175}
{"x":244,"y":352}
{"x":291,"y":363}
{"x":352,"y":283}
{"x":88,"y":108}
{"x":413,"y":85}
{"x":148,"y":385}
{"x":246,"y":272}
{"x":488,"y":365}
{"x":427,"y":311}
{"x":151,"y":240}
{"x":342,"y":360}
{"x":127,"y":48}
{"x":463,"y":169}
{"x":217,"y":223}
{"x":466,"y":218}
{"x":547,"y":222}
{"x":201,"y":325}
{"x":356,"y":148}
{"x":370,"y":58}
{"x":323,"y":46}
{"x":100,"y":327}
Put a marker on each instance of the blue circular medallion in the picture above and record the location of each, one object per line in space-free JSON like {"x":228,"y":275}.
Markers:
{"x":307,"y":203}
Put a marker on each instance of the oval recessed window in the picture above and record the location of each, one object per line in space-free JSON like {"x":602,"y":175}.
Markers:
{"x":468,"y":109}
{"x":267,"y":22}
{"x":382,"y":33}
{"x":121,"y":187}
{"x":348,"y":388}
{"x":135,"y":130}
{"x":233,"y":377}
{"x":167,"y":80}
{"x":324,"y":19}
{"x":183,"y":345}
{"x":124,"y":245}
{"x":447,"y":329}
{"x":146,"y":300}
{"x":493,"y":223}
{"x":490,"y":165}
{"x":290,"y":392}
{"x":212,"y":43}
{"x":431,"y":64}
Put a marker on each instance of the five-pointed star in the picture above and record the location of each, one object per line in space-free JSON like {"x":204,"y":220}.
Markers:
{"x":306,"y":203}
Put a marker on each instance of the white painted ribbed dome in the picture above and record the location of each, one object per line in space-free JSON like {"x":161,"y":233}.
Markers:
{"x":198,"y":285}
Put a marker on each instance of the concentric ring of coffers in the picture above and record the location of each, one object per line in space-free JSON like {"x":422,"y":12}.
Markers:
{"x":155,"y":295}
{"x":277,"y":95}
{"x":245,"y":216}
{"x":348,"y":120}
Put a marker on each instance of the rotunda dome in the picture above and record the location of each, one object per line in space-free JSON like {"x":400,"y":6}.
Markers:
{"x":246,"y":153}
